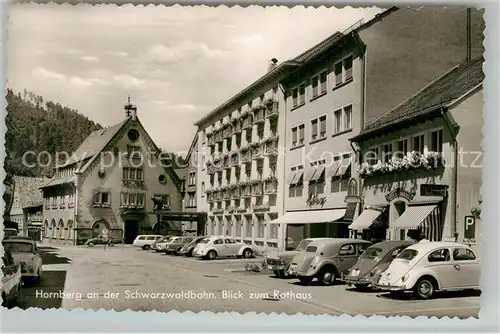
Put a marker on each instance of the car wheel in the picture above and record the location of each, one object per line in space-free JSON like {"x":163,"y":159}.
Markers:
{"x":212,"y":255}
{"x":146,"y":247}
{"x":91,"y":244}
{"x":424,"y":288}
{"x":177,"y":252}
{"x":247,"y":253}
{"x":327,"y":276}
{"x":361,"y":286}
{"x":305,"y":280}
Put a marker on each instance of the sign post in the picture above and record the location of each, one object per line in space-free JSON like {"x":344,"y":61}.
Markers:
{"x":470,"y":229}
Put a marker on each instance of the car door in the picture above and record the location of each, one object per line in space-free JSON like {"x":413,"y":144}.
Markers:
{"x":347,"y":257}
{"x":220,"y":247}
{"x":467,"y":268}
{"x":232,"y":246}
{"x":440,"y":263}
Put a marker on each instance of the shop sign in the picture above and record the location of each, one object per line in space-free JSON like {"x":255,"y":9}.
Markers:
{"x":433,"y":190}
{"x":470,"y":228}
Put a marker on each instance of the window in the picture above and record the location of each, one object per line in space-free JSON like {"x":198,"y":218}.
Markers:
{"x":338,"y":73}
{"x":347,"y":250}
{"x":372,"y":156}
{"x":260,"y":228}
{"x":191,"y":200}
{"x":301,"y":134}
{"x":302,"y":94}
{"x":437,"y":141}
{"x":347,"y":118}
{"x":192,"y":179}
{"x":311,"y":249}
{"x":203,"y":189}
{"x":343,"y":71}
{"x":348,"y":68}
{"x":401,"y":148}
{"x":218,"y":241}
{"x":238,"y":227}
{"x":314,"y":85}
{"x":318,"y":128}
{"x":386,"y":153}
{"x":322,"y":82}
{"x":463,"y":254}
{"x":440,"y":255}
{"x":133,"y":150}
{"x":101,"y":198}
{"x":338,"y":121}
{"x":418,"y":143}
{"x":133,"y":174}
{"x":314,"y":129}
{"x":407,"y":254}
{"x":298,"y":134}
{"x":249,"y":229}
{"x":295,"y":97}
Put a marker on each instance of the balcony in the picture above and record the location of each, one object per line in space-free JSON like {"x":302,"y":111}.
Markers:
{"x":246,"y":191}
{"x":218,"y":136}
{"x":271,"y":185}
{"x":236,"y":126}
{"x":216,"y":211}
{"x":211,"y":169}
{"x":210,"y":140}
{"x":235,"y":159}
{"x":257,"y":189}
{"x":261,"y":207}
{"x":272,"y":110}
{"x":258,"y":151}
{"x":259,"y":116}
{"x":246,"y":156}
{"x":227,"y":194}
{"x":271,"y":147}
{"x":210,"y":197}
{"x":246,"y":122}
{"x":227,"y":131}
{"x":225,"y":162}
{"x":236,"y":193}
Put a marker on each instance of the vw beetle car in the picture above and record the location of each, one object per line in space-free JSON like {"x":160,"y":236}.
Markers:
{"x":427,"y":267}
{"x":279,"y":262}
{"x":327,"y":260}
{"x":174,"y":245}
{"x":11,"y":280}
{"x":187,"y":249}
{"x":221,"y":246}
{"x":373,"y":262}
{"x":26,"y":254}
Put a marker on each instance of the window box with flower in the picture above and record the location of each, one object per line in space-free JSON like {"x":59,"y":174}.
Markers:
{"x":412,"y":161}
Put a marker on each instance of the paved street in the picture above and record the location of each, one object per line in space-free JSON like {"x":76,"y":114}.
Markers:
{"x":123,"y":278}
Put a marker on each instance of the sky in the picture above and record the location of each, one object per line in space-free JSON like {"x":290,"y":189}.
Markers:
{"x":177,"y":63}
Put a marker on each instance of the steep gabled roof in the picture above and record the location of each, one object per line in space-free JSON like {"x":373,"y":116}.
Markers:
{"x":192,"y":147}
{"x":95,"y":143}
{"x":439,"y":93}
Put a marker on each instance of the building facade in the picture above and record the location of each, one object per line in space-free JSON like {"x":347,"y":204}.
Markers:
{"x":26,"y":194}
{"x":239,"y":176}
{"x":421,"y":171}
{"x":116,"y":183}
{"x":33,"y":216}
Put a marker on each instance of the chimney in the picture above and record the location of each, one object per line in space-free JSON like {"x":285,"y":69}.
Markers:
{"x":272,"y":64}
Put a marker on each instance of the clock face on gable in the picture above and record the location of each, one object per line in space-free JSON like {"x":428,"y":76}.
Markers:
{"x":133,"y":134}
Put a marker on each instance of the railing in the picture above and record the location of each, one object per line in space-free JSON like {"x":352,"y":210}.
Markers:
{"x":246,"y":122}
{"x":257,"y":152}
{"x":217,"y":210}
{"x":271,"y":186}
{"x":259,"y":116}
{"x":246,"y":191}
{"x":236,"y":126}
{"x":272,"y":110}
{"x":272,"y":148}
{"x":227,"y":132}
{"x":218,"y":136}
{"x":227,"y":194}
{"x":235,"y":159}
{"x":257,"y":190}
{"x":246,"y":156}
{"x":236,"y":193}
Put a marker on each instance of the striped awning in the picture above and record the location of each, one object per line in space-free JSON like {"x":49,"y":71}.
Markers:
{"x":414,"y":216}
{"x":365,"y":219}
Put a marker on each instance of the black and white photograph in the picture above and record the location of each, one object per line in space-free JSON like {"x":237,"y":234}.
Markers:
{"x":284,"y":160}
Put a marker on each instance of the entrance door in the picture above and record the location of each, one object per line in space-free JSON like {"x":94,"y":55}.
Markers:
{"x":131,"y":231}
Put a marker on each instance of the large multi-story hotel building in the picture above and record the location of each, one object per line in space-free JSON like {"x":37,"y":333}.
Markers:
{"x":324,"y":97}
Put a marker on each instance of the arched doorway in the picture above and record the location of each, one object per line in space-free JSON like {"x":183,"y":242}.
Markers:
{"x":53,"y":229}
{"x":70,"y":232}
{"x":98,"y":226}
{"x":60,"y":229}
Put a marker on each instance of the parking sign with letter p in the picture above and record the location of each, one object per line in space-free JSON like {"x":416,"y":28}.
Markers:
{"x":470,"y":227}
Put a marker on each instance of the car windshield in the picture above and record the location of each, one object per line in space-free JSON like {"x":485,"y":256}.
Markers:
{"x":407,"y":254}
{"x":372,"y":253}
{"x":303,"y":244}
{"x":15,"y":247}
{"x":311,"y":249}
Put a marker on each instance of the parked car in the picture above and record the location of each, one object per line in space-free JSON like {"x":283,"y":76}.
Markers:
{"x":187,"y":249}
{"x":18,"y":237}
{"x":11,"y":280}
{"x":373,"y":262}
{"x":427,"y":267}
{"x":280,"y":261}
{"x":154,"y":246}
{"x":8,"y":232}
{"x":327,"y":259}
{"x":25,"y":253}
{"x":146,"y":241}
{"x":101,"y":240}
{"x":174,"y":245}
{"x":221,"y":246}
